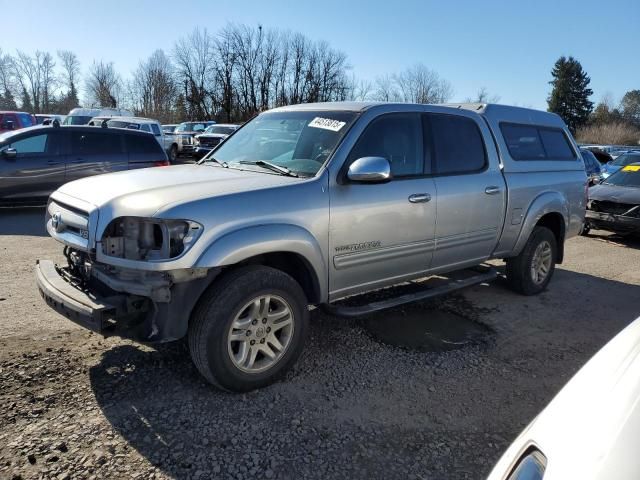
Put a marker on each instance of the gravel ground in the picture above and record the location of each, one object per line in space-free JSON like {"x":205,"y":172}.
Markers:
{"x":75,"y":405}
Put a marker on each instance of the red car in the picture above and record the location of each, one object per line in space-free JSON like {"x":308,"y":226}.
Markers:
{"x":16,"y":120}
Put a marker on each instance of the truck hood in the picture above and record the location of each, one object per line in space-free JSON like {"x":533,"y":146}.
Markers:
{"x":614,"y":193}
{"x":143,"y":192}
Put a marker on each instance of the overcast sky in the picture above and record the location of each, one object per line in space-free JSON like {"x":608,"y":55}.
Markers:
{"x":509,"y":47}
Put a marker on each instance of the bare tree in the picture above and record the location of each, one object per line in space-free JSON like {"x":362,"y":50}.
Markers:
{"x":153,"y":89}
{"x":195,"y":63}
{"x":70,"y":75}
{"x":359,"y":90}
{"x":483,"y":96}
{"x":37,"y":78}
{"x":419,"y":84}
{"x":8,"y":82}
{"x":103,"y":85}
{"x":386,"y":89}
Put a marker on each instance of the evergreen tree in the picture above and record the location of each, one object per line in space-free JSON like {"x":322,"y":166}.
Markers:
{"x":630,"y":105}
{"x":8,"y":101}
{"x":569,"y":97}
{"x":180,"y":111}
{"x":26,"y":106}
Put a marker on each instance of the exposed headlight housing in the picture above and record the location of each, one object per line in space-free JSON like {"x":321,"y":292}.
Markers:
{"x":149,"y":239}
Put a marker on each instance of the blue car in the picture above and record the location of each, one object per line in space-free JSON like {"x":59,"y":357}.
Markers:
{"x":592,"y":166}
{"x":622,"y":161}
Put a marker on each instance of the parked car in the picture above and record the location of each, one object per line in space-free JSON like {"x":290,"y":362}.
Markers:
{"x":15,"y":120}
{"x":169,"y":128}
{"x":185,"y":133}
{"x":614,"y":205}
{"x":82,"y":116}
{"x":139,"y":123}
{"x":621,"y":161}
{"x":589,"y":431}
{"x":602,"y":156}
{"x":592,"y":166}
{"x":211,"y":137}
{"x":36,"y":161}
{"x":305,"y":205}
{"x":41,"y":117}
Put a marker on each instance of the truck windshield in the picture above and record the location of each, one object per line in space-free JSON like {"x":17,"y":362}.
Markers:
{"x":77,"y":120}
{"x":299,"y":141}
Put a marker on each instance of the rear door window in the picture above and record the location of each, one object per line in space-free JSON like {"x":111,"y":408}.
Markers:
{"x":96,"y":143}
{"x":155,"y":129}
{"x":138,"y":144}
{"x":458,"y":144}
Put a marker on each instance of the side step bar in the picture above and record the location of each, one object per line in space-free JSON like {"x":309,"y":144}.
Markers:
{"x":357,"y":311}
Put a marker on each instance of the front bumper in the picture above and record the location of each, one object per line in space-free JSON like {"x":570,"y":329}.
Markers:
{"x":95,"y":304}
{"x":611,"y":222}
{"x":90,"y":311}
{"x":200,"y":152}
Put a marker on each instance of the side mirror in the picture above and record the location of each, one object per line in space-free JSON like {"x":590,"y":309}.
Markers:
{"x":370,"y":170}
{"x":9,"y":153}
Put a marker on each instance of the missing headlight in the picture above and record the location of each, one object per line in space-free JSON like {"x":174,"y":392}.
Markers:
{"x":148,"y":239}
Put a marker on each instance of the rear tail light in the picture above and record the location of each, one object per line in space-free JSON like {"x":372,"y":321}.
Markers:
{"x":163,"y":163}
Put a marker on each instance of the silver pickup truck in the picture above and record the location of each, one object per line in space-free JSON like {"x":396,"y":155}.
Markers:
{"x":306,"y":205}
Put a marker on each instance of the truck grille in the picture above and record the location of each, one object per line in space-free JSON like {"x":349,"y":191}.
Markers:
{"x":68,"y":225}
{"x":614,"y":208}
{"x":209,"y":142}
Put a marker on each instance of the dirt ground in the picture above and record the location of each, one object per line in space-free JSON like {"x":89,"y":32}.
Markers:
{"x":75,"y":405}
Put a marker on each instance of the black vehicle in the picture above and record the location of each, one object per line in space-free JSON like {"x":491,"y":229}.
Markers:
{"x":36,"y":161}
{"x":591,"y":166}
{"x":602,"y":156}
{"x":614,"y":204}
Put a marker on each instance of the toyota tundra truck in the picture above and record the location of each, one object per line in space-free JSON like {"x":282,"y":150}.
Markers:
{"x":304,"y":206}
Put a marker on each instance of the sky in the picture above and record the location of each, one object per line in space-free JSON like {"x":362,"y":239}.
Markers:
{"x":508,"y":47}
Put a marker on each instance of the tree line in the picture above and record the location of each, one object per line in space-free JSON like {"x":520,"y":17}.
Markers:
{"x":606,"y":123}
{"x":228,"y":76}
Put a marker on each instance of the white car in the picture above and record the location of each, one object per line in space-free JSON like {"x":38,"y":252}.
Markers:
{"x":591,"y":429}
{"x":82,"y":116}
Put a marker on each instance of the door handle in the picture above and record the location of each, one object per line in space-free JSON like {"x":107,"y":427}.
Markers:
{"x":419,"y":198}
{"x":492,"y":190}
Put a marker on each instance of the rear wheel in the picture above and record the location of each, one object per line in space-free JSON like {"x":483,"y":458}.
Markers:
{"x":249,"y":328}
{"x":530,"y":272}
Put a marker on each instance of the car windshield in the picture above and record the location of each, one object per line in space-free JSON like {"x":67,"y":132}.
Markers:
{"x":77,"y":120}
{"x":300,"y":141}
{"x":628,"y":176}
{"x":626,"y":159}
{"x":191,"y":127}
{"x":220,"y":129}
{"x":121,"y":124}
{"x":168,"y":128}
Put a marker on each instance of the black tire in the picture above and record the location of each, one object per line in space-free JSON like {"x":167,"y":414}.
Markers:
{"x":213,"y":317}
{"x":173,"y":153}
{"x":519,"y":269}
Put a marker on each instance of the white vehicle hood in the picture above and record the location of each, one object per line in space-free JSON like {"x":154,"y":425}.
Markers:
{"x":143,"y":192}
{"x":591,"y":429}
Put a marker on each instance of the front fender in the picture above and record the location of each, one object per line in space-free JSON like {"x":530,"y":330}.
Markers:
{"x":237,"y":246}
{"x":547,"y":202}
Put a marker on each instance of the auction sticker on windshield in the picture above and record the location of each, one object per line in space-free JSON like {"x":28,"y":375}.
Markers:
{"x":632,"y":168}
{"x":327,"y":124}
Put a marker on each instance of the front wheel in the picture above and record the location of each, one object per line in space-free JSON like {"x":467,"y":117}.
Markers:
{"x":249,"y":328}
{"x":173,"y":153}
{"x":530,"y":272}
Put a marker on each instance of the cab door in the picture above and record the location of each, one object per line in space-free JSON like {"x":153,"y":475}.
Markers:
{"x":36,"y":170}
{"x":471,"y":191}
{"x":382,"y":233}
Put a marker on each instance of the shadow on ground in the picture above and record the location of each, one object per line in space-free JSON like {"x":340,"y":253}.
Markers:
{"x":358,"y":408}
{"x":22,"y":221}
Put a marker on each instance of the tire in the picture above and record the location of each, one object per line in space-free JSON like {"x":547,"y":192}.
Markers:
{"x":232,"y":301}
{"x":520,"y":274}
{"x":173,"y":153}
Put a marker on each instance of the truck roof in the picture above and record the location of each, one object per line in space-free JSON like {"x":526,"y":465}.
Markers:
{"x":492,"y":111}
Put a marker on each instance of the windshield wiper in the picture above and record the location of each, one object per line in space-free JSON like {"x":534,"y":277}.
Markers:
{"x":271,"y":166}
{"x":207,"y":158}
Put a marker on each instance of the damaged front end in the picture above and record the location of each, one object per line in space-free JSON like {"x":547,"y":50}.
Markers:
{"x":97,"y":288}
{"x":613,"y":216}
